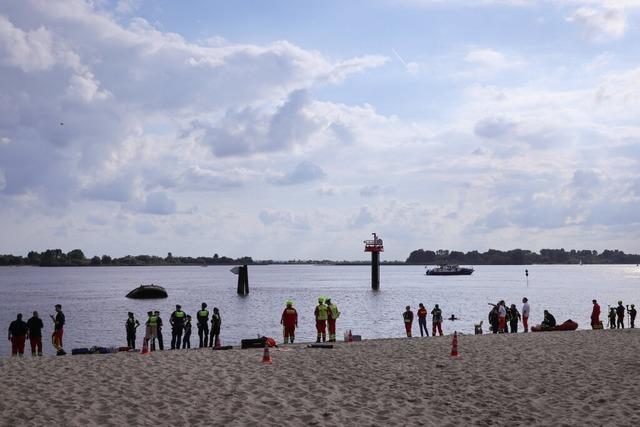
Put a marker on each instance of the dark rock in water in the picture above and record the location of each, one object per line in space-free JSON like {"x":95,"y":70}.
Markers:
{"x":148,"y":292}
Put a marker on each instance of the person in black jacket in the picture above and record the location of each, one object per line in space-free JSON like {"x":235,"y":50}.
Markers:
{"x":549,"y":321}
{"x":186,"y":340}
{"x":34,"y":335}
{"x":620,"y":312}
{"x":17,"y":335}
{"x":408,"y":320}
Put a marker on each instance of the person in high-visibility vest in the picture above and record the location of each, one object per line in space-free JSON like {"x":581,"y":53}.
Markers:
{"x":152,"y":331}
{"x":321,"y":320}
{"x":203,"y":325}
{"x":334,"y":313}
{"x":407,"y":316}
{"x":177,"y":326}
{"x":289,"y":322}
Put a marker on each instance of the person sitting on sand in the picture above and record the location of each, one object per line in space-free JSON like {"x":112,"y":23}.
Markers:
{"x":620,"y":312}
{"x":549,"y":321}
{"x":422,"y":320}
{"x":632,"y":316}
{"x":436,"y":320}
{"x":595,"y":315}
{"x":514,"y":316}
{"x":186,"y":338}
{"x":408,"y":320}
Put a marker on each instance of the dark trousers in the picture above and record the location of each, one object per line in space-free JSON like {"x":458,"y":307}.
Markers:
{"x":514,"y":326}
{"x":176,"y":336}
{"x":186,"y":341}
{"x":215,"y":334}
{"x":422,"y":322}
{"x":620,"y":323}
{"x":131,"y":339}
{"x":160,"y":340}
{"x":203,"y":334}
{"x":633,"y":321}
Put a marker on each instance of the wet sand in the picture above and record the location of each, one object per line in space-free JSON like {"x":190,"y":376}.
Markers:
{"x":557,"y":378}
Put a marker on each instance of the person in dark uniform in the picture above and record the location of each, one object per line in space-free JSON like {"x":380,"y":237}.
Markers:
{"x":130,"y":326}
{"x":203,"y":324}
{"x":612,"y":317}
{"x":34,"y":335}
{"x":58,"y":330}
{"x":177,"y":325}
{"x":216,"y":322}
{"x":620,"y":312}
{"x":514,"y":316}
{"x":17,"y":335}
{"x":407,"y":316}
{"x":632,"y":316}
{"x":186,"y":340}
{"x":159,"y":334}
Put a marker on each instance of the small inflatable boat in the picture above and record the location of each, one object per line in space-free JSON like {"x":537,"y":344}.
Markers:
{"x":148,"y":292}
{"x":569,"y":325}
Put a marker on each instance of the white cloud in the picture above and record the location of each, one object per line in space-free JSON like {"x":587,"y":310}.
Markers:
{"x":490,"y":58}
{"x":601,"y":24}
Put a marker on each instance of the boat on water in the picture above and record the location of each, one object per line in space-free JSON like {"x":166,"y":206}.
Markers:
{"x":148,"y":292}
{"x":449,"y":270}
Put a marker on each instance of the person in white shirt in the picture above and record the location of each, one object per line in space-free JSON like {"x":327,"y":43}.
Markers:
{"x":525,"y":314}
{"x":502,"y":317}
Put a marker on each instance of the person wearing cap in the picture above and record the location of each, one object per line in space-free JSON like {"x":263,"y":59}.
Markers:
{"x":595,"y":315}
{"x":130,"y":325}
{"x":289,"y":322}
{"x":332,"y":315}
{"x":177,"y":325}
{"x":186,"y":340}
{"x":632,"y":316}
{"x":620,"y":312}
{"x":159,"y":331}
{"x":321,"y":315}
{"x":202,"y":318}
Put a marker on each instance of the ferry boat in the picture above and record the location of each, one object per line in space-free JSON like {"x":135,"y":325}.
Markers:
{"x":449,"y":270}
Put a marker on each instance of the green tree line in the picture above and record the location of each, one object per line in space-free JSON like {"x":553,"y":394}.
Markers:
{"x":76,"y":258}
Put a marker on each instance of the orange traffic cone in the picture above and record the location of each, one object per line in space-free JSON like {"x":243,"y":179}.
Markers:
{"x":454,"y":345}
{"x":145,"y":348}
{"x":266,"y":357}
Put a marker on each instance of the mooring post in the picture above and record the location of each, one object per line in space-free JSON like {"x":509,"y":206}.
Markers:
{"x":243,"y":280}
{"x":375,"y":247}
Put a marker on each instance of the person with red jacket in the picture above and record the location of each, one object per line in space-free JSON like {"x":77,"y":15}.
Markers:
{"x":595,"y":315}
{"x":289,"y":322}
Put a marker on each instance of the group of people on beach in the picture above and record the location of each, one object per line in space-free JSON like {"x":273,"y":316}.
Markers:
{"x":31,"y":330}
{"x":436,"y":320}
{"x":615,"y":316}
{"x":180,"y":329}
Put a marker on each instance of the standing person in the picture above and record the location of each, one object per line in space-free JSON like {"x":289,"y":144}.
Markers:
{"x":514,"y":316}
{"x":422,"y":320}
{"x":502,"y":317}
{"x":436,"y":320}
{"x":177,"y":326}
{"x":216,"y":322}
{"x":321,"y":316}
{"x":186,"y":340}
{"x":289,"y":322}
{"x":151,"y":332}
{"x":58,"y":330}
{"x":620,"y":312}
{"x":333,"y":313}
{"x":17,"y":335}
{"x":130,"y":325}
{"x":595,"y":316}
{"x":202,"y":317}
{"x":526,"y":309}
{"x":408,"y":320}
{"x":493,"y":318}
{"x":612,"y":318}
{"x":34,"y":335}
{"x":159,"y":330}
{"x":632,"y":316}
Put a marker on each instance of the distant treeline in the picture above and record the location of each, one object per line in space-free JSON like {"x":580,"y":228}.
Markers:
{"x":76,"y":258}
{"x":522,"y":256}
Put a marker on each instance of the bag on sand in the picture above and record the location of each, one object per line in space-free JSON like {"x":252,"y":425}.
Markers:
{"x":254,"y":342}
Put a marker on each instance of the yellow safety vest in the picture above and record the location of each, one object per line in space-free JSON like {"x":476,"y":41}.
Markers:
{"x":322,"y":312}
{"x":334,"y":311}
{"x":203,"y":313}
{"x":179,"y":314}
{"x":153,"y":320}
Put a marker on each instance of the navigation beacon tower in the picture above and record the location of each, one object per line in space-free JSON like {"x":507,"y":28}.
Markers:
{"x":375,"y":247}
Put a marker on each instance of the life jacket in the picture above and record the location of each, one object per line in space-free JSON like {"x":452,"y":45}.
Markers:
{"x":322,"y":312}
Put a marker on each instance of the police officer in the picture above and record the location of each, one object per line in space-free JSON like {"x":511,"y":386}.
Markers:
{"x":130,"y":326}
{"x":159,"y":334}
{"x":203,"y":325}
{"x":177,"y":325}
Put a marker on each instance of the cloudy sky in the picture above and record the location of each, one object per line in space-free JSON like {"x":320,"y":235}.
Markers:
{"x":289,"y":129}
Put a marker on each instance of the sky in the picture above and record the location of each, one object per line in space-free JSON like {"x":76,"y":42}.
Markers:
{"x":293,"y":130}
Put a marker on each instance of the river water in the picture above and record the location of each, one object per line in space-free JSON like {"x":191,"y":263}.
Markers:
{"x":93,"y":298}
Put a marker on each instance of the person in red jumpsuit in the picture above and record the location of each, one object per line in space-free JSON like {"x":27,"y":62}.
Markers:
{"x":289,"y":322}
{"x":595,"y":315}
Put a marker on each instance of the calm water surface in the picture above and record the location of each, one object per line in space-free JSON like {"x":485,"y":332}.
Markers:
{"x":94,"y":302}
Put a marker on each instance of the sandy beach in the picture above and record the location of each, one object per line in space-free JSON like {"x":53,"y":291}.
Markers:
{"x":559,"y":378}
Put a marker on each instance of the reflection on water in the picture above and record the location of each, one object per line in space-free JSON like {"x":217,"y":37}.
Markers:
{"x":94,"y":302}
